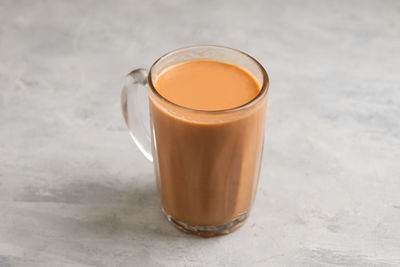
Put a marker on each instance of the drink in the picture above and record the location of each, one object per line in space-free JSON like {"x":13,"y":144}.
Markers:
{"x":208,"y":172}
{"x":207,"y":116}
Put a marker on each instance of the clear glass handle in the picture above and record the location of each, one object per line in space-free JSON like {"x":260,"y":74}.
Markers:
{"x":135,"y":108}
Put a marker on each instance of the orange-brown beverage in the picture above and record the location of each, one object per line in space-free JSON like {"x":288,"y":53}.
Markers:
{"x":207,"y":119}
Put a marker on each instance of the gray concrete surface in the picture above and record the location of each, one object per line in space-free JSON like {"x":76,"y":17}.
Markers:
{"x":75,"y":191}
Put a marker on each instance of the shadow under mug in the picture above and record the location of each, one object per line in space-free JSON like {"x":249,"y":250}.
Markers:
{"x":206,"y":163}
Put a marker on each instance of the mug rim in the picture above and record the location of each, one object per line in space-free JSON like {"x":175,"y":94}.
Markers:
{"x":252,"y":102}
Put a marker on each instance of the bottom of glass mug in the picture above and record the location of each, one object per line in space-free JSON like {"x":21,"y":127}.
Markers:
{"x":205,"y":230}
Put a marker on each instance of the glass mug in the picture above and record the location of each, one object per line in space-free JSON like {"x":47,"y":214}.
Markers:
{"x":206,"y":163}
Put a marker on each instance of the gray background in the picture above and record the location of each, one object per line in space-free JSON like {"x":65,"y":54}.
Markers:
{"x":75,"y":191}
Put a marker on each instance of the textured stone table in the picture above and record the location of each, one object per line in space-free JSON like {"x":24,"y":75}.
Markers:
{"x":75,"y":191}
